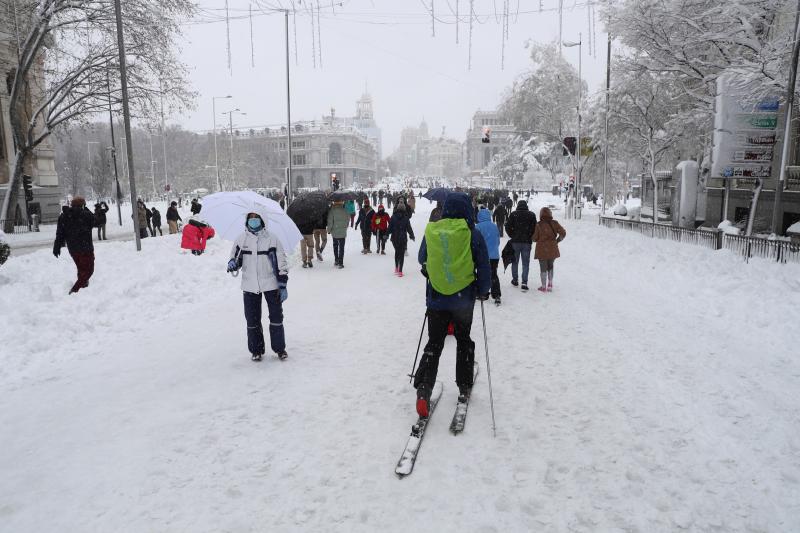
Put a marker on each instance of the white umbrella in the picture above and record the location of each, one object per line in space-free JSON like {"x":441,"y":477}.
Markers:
{"x":226,"y":213}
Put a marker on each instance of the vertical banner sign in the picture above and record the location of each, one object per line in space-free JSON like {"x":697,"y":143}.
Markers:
{"x":744,"y":135}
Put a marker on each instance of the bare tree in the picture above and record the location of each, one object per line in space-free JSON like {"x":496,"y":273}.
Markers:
{"x":67,"y":54}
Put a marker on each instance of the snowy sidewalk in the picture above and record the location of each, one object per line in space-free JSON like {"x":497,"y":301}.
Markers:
{"x":654,"y":390}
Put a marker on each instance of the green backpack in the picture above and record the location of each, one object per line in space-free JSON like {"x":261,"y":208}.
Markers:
{"x":450,"y":266}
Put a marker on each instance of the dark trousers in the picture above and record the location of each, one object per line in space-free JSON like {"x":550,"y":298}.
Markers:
{"x":143,"y":233}
{"x":500,"y":228}
{"x":252,"y":314}
{"x":366,"y":240}
{"x":161,"y":233}
{"x":338,"y":251}
{"x":399,"y":254}
{"x":437,"y":332}
{"x":495,"y":280}
{"x":84,"y":262}
{"x":101,"y":232}
{"x":381,"y":240}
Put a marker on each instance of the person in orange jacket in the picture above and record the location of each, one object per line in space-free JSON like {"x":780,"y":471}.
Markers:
{"x":380,"y":227}
{"x":195,"y":235}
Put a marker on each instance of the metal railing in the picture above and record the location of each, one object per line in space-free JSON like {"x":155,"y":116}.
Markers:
{"x":707,"y":238}
{"x":747,"y":247}
{"x":17,"y":228}
{"x":714,"y":239}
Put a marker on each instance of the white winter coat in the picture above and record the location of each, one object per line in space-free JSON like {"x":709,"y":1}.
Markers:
{"x":257,"y":272}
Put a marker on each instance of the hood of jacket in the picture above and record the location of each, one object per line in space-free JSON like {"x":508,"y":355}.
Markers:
{"x":545,"y":214}
{"x":458,"y":205}
{"x":522,"y":205}
{"x":484,"y":216}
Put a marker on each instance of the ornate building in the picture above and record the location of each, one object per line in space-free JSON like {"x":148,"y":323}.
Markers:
{"x":41,"y":167}
{"x":478,"y":153}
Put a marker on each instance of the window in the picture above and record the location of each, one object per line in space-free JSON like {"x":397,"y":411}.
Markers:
{"x":335,"y":154}
{"x":298,"y":144}
{"x":298,"y":159}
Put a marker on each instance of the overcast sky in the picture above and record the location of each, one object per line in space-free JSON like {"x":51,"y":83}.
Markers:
{"x":385,"y":44}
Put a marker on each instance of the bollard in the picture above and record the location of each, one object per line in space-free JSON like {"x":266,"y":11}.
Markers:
{"x":35,"y":222}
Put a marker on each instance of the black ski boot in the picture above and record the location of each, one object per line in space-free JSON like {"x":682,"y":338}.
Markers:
{"x":283,"y":355}
{"x":256,"y":357}
{"x":464,"y":393}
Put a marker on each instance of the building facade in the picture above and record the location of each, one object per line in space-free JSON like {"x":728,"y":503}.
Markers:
{"x":480,"y":154}
{"x":41,"y":166}
{"x":411,"y":155}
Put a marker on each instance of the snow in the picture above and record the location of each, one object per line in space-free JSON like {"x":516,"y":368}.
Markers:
{"x":794,"y":228}
{"x":653,"y":390}
{"x":729,"y":228}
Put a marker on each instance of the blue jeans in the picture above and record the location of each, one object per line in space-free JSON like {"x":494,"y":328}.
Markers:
{"x":524,"y":250}
{"x":255,"y":333}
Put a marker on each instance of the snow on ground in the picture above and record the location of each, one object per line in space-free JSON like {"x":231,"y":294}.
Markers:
{"x":654,"y":390}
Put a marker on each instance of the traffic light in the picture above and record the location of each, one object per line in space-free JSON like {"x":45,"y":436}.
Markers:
{"x":570,"y":145}
{"x":27,"y":186}
{"x":487,"y":132}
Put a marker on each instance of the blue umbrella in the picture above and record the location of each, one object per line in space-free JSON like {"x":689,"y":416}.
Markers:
{"x":437,"y":194}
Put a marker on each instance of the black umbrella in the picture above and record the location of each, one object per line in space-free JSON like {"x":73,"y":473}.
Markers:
{"x":437,"y":195}
{"x":341,"y":196}
{"x":507,"y":255}
{"x":308,"y":208}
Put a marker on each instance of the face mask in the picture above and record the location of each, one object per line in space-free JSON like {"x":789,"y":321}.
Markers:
{"x":254,"y":224}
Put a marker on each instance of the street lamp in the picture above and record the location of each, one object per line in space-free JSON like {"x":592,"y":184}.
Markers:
{"x":216,"y":157}
{"x":568,"y":44}
{"x":152,"y":165}
{"x":230,"y":132}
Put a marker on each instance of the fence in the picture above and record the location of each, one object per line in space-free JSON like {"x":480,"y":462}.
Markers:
{"x":17,"y":228}
{"x":714,"y":239}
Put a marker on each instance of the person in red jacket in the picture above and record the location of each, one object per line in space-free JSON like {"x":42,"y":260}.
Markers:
{"x":195,"y":235}
{"x":380,"y":227}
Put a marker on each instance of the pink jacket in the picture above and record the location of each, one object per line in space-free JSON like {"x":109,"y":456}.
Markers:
{"x":195,"y":235}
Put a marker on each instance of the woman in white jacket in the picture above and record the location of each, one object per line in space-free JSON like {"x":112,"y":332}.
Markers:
{"x":262,"y":260}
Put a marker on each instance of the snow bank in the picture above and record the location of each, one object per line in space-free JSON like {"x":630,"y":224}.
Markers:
{"x":729,"y":228}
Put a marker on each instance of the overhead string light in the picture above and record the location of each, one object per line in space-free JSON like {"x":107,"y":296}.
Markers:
{"x":228,"y":34}
{"x":294,"y":29}
{"x":313,"y":40}
{"x":589,"y":25}
{"x":457,"y":1}
{"x":319,"y":35}
{"x":433,"y":20}
{"x":471,"y":14}
{"x":252,"y":46}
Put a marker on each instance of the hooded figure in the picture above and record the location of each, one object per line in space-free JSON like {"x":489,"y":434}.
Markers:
{"x":520,"y":226}
{"x":75,"y":230}
{"x":458,"y":263}
{"x":491,"y":235}
{"x":364,"y":220}
{"x":399,"y":232}
{"x":547,"y":236}
{"x":195,"y":234}
{"x":260,"y":257}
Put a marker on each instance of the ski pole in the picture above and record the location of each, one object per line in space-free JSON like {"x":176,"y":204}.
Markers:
{"x":488,"y":370}
{"x":414,"y":366}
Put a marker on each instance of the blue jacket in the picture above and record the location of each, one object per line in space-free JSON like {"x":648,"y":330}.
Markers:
{"x":490,"y":234}
{"x":458,"y":205}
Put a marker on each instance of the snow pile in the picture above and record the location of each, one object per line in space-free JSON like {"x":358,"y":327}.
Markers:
{"x":625,"y":400}
{"x":729,"y":228}
{"x":794,"y":228}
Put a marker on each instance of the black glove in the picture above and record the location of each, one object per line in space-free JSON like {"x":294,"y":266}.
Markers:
{"x":483,"y":297}
{"x":56,"y":251}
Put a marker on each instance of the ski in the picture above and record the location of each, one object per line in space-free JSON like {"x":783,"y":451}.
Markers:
{"x":406,"y":463}
{"x":460,"y":415}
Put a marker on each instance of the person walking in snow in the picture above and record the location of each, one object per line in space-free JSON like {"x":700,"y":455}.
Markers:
{"x":262,"y":260}
{"x":411,"y":203}
{"x":195,"y":207}
{"x":350,"y":207}
{"x":321,"y":234}
{"x":455,"y":261}
{"x":156,"y":221}
{"x":74,"y":229}
{"x":364,"y":220}
{"x":100,"y":210}
{"x":337,"y":228}
{"x":492,"y":237}
{"x":173,"y":217}
{"x":307,"y":243}
{"x":436,"y":213}
{"x":499,"y":216}
{"x":380,"y":228}
{"x":141,"y":214}
{"x":520,"y":226}
{"x":547,"y":235}
{"x":400,"y":231}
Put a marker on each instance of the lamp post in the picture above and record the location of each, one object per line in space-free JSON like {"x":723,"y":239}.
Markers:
{"x":230,"y":132}
{"x":568,"y":44}
{"x":153,"y":165}
{"x":216,"y":156}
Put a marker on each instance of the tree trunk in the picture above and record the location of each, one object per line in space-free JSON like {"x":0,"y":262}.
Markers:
{"x":8,"y":211}
{"x":751,"y":217}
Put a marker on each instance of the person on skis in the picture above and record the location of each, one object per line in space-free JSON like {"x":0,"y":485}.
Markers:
{"x":399,"y":232}
{"x":455,"y":262}
{"x":262,"y":260}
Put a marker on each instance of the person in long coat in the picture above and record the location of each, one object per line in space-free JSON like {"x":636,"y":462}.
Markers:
{"x":547,"y":235}
{"x":400,"y":231}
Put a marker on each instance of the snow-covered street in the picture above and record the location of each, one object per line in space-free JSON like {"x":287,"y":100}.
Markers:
{"x":654,"y":390}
